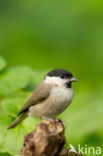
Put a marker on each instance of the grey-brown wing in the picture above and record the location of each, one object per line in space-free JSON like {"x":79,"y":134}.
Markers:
{"x":41,"y":93}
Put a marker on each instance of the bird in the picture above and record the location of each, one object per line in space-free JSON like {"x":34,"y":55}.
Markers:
{"x":50,"y":98}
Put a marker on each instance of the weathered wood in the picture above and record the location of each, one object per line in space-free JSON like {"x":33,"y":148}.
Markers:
{"x":46,"y":140}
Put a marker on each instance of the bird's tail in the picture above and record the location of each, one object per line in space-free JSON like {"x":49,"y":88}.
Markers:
{"x":17,"y":121}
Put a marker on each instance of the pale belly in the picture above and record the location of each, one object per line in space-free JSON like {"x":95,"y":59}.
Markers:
{"x":57,"y":102}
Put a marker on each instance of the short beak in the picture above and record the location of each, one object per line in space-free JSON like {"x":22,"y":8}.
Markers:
{"x":73,"y":80}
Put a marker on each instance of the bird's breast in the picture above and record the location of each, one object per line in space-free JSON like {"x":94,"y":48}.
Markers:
{"x":59,"y":99}
{"x":61,"y":95}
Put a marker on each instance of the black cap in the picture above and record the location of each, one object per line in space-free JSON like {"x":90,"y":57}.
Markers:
{"x":60,"y":73}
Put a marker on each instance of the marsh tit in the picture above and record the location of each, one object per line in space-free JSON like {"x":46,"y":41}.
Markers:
{"x":51,"y":97}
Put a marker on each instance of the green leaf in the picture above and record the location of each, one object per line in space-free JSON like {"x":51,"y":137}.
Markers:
{"x":2,"y":63}
{"x":4,"y":154}
{"x":13,"y":105}
{"x":11,"y":141}
{"x":16,"y":78}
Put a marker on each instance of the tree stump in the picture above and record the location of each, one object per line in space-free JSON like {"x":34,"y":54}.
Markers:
{"x":46,"y":140}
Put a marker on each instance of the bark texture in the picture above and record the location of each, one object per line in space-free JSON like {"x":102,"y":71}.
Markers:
{"x":46,"y":140}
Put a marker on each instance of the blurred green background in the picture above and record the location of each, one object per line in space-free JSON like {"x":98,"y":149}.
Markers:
{"x":44,"y":35}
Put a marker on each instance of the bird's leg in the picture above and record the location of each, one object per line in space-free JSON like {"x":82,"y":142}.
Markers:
{"x":56,"y":119}
{"x":46,"y":118}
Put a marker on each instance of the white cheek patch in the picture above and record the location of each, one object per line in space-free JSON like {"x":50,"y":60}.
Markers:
{"x":54,"y":80}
